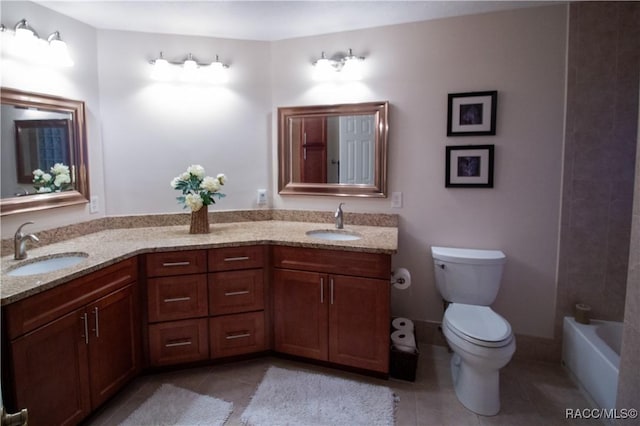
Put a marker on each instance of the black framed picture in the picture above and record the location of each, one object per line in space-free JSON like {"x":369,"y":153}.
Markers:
{"x":472,"y":113}
{"x":469,"y":166}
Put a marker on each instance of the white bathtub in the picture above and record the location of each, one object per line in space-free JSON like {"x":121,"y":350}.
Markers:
{"x":592,"y":353}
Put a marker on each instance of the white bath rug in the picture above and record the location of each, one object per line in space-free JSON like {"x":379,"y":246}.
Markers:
{"x":287,"y":397}
{"x":171,"y":405}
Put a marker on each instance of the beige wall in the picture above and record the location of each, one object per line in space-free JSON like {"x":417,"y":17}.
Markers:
{"x":140,"y":143}
{"x":414,"y":66}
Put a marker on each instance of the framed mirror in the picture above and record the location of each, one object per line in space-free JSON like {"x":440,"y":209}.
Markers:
{"x":333,"y":149}
{"x":44,"y":152}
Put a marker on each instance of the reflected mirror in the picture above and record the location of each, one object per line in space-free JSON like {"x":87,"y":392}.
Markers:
{"x":43,"y":149}
{"x":333,"y":150}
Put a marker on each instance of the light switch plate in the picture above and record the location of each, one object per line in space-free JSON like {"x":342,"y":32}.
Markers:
{"x":396,"y":200}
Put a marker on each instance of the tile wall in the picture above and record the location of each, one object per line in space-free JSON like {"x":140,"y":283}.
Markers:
{"x":600,"y":152}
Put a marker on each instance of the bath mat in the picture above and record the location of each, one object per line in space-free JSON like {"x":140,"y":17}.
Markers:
{"x":286,"y":397}
{"x":171,"y":405}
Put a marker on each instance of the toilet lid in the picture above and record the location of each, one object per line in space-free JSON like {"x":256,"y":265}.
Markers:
{"x":478,"y":324}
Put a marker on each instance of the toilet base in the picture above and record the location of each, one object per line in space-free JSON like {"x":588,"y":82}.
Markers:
{"x":476,"y":389}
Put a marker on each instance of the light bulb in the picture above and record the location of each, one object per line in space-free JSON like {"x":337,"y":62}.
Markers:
{"x":189,"y":70}
{"x":217,"y":72}
{"x":323,"y":69}
{"x":161,"y":69}
{"x":58,"y":51}
{"x":352,"y":69}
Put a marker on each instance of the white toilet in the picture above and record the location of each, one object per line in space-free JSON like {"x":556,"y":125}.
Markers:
{"x":482,"y":340}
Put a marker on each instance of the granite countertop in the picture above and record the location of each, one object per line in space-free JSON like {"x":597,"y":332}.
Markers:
{"x":111,"y":246}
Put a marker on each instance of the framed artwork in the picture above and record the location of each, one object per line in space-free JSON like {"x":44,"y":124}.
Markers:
{"x":472,"y":113}
{"x":469,"y":166}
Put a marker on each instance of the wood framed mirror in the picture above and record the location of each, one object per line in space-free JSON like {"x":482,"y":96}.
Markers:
{"x":39,"y":131}
{"x":333,"y":149}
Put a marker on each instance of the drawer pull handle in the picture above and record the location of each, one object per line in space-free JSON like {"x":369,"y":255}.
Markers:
{"x":171,"y":345}
{"x":237,"y":336}
{"x":236,"y":293}
{"x":176,"y":264}
{"x":177,"y":299}
{"x":236,"y":259}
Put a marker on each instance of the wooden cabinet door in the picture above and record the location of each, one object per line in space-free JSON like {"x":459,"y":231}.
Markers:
{"x":300,"y":313}
{"x":113,"y":343}
{"x":50,"y":367}
{"x":359,"y":322}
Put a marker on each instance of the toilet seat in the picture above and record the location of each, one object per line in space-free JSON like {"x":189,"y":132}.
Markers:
{"x":479,"y":325}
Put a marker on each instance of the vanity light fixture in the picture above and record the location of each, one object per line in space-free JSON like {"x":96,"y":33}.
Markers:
{"x":348,"y":67}
{"x":27,"y":44}
{"x":189,"y":70}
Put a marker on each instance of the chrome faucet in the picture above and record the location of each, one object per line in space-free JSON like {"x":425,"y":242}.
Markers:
{"x":339,"y":218}
{"x":20,"y":241}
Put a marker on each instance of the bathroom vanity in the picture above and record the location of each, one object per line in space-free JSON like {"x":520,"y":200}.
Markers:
{"x":148,"y":298}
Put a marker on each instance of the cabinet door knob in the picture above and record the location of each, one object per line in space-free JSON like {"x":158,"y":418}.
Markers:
{"x":321,"y":290}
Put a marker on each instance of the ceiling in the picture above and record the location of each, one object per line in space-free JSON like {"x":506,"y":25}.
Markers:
{"x":264,"y":20}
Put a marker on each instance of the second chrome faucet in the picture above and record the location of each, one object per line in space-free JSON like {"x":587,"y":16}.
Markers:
{"x":20,"y":241}
{"x":339,"y":217}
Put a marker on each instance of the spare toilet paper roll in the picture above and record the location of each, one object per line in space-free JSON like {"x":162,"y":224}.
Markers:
{"x":403,"y":340}
{"x":583,"y":313}
{"x":401,"y":279}
{"x":403,"y":324}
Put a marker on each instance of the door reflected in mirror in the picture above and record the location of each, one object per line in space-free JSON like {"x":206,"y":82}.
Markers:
{"x":46,"y":135}
{"x":333,"y":150}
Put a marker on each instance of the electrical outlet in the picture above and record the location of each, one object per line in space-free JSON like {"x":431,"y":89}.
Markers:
{"x":93,"y":205}
{"x":396,"y":200}
{"x":262,"y":197}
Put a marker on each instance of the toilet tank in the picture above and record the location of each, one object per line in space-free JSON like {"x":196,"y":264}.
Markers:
{"x":468,"y":276}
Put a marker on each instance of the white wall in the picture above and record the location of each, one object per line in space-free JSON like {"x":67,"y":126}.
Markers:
{"x":414,"y":66}
{"x":78,"y":82}
{"x":152,"y":132}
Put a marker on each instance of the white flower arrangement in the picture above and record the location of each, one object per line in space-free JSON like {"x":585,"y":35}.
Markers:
{"x":197,"y":189}
{"x":58,"y":179}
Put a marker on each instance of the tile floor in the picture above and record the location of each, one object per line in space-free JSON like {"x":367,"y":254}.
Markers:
{"x":531,"y":393}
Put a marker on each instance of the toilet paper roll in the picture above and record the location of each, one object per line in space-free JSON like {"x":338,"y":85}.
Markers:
{"x":583,"y":313}
{"x":401,"y":279}
{"x":403,"y":340}
{"x":403,"y":324}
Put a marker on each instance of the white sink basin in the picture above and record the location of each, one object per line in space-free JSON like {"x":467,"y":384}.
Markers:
{"x":334,"y":234}
{"x":43,"y":265}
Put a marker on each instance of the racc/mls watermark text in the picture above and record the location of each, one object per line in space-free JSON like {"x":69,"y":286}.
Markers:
{"x":601,"y":413}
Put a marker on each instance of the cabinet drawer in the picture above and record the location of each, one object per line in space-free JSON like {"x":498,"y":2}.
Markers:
{"x":236,"y":291}
{"x":181,"y":297}
{"x":178,"y":342}
{"x":176,"y":263}
{"x":230,"y":258}
{"x":30,"y":313}
{"x":371,"y":265}
{"x":237,"y":334}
